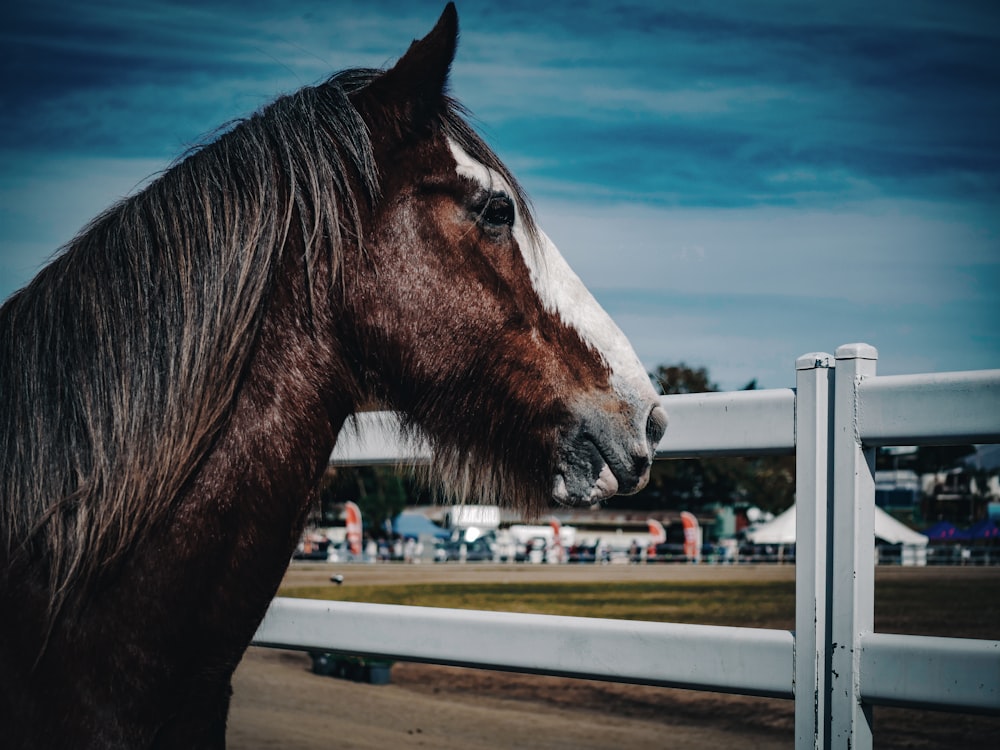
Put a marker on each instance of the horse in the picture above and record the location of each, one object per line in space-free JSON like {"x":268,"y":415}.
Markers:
{"x":173,"y":382}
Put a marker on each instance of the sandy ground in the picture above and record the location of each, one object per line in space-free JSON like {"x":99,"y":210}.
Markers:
{"x":279,"y":703}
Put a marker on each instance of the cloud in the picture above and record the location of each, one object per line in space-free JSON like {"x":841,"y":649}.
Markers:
{"x":661,"y":104}
{"x":893,"y":251}
{"x":721,"y":107}
{"x":746,"y":291}
{"x":44,"y":203}
{"x":739,"y":182}
{"x":759,"y":336}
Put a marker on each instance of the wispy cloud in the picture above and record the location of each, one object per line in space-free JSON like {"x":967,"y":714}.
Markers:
{"x":739,"y":182}
{"x":893,"y":252}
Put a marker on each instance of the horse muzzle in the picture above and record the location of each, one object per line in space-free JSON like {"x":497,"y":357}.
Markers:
{"x":607,"y":451}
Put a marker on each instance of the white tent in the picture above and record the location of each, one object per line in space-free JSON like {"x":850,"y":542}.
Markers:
{"x":782,"y":530}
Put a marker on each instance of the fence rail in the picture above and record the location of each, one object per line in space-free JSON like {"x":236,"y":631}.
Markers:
{"x":749,"y":661}
{"x":834,"y":665}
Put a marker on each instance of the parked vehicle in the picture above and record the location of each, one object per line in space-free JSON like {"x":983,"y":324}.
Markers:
{"x":582,"y":553}
{"x":478,"y":550}
{"x":312,"y":548}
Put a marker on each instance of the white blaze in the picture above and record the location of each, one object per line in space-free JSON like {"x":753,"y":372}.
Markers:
{"x":562,"y":293}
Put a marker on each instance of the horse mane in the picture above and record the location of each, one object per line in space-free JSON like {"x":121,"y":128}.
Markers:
{"x":121,"y":361}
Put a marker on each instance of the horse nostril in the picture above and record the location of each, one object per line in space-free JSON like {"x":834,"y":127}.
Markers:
{"x":640,"y":463}
{"x":656,"y":425}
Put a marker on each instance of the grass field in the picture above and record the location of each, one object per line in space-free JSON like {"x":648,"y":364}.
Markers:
{"x":957,"y":605}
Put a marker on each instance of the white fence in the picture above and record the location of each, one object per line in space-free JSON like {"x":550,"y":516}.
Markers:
{"x":833,"y":665}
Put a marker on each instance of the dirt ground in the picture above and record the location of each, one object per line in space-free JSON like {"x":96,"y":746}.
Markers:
{"x":279,"y":703}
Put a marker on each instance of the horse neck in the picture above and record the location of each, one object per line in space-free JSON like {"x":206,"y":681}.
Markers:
{"x":259,"y":480}
{"x":297,"y":392}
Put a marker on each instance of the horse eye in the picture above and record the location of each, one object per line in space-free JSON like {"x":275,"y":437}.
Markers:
{"x":499,"y":211}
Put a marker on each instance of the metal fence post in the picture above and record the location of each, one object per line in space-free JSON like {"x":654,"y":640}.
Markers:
{"x":813,"y":391}
{"x":853,"y":555}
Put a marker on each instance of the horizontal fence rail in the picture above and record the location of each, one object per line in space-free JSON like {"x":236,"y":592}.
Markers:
{"x":374,"y":438}
{"x":834,"y":666}
{"x":737,"y":660}
{"x":955,"y":408}
{"x":738,"y":423}
{"x":925,"y":672}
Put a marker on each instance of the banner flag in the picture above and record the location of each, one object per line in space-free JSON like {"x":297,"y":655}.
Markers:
{"x":691,"y":535}
{"x":557,"y":549}
{"x":657,"y":534}
{"x":353,"y":514}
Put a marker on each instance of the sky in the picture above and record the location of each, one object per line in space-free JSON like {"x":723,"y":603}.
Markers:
{"x":737,"y":183}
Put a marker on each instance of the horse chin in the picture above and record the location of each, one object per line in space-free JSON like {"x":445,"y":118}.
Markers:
{"x":586,"y":478}
{"x":604,"y":487}
{"x":602,"y":456}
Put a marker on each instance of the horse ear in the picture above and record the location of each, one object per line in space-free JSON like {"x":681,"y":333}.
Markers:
{"x":418,"y":81}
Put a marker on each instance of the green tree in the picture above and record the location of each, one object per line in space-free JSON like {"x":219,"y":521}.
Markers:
{"x":380,"y":492}
{"x":679,"y":378}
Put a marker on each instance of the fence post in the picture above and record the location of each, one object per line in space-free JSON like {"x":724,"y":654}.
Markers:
{"x":853,"y":556}
{"x":814,"y":374}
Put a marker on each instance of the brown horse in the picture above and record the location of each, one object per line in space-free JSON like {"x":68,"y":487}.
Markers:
{"x":171,"y":387}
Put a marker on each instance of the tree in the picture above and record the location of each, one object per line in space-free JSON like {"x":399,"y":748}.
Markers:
{"x":679,"y":378}
{"x":380,"y":492}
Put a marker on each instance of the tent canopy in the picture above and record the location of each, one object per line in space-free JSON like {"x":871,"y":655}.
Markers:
{"x":417,"y":525}
{"x":984,"y":529}
{"x":943,"y":530}
{"x":779,"y":530}
{"x":782,"y":530}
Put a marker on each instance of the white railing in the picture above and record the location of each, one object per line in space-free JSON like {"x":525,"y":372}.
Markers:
{"x":834,"y":665}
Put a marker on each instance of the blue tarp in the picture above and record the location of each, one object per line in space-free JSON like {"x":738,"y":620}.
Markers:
{"x":416,"y":525}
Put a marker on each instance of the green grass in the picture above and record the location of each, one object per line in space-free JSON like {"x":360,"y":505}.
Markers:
{"x":952,"y":607}
{"x":759,"y":605}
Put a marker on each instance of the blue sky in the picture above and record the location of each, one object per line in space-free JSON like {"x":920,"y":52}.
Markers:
{"x":738,"y":183}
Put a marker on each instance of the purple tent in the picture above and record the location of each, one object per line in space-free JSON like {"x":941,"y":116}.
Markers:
{"x":944,"y":531}
{"x":984,"y":529}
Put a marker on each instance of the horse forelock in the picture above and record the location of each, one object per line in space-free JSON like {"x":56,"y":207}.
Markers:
{"x":121,"y":360}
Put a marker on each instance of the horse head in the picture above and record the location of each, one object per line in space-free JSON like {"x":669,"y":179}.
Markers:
{"x":468,"y":320}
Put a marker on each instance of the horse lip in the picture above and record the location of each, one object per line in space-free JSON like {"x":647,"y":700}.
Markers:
{"x":595,"y":465}
{"x":605,"y":484}
{"x":560,"y":492}
{"x":632,"y":474}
